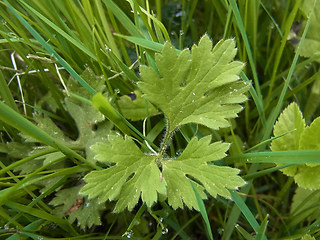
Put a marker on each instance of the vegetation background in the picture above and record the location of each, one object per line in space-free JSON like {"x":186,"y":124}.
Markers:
{"x":56,"y":54}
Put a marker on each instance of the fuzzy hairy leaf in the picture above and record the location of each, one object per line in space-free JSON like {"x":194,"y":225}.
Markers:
{"x":136,"y":174}
{"x":87,"y":212}
{"x":201,"y":86}
{"x":304,"y":138}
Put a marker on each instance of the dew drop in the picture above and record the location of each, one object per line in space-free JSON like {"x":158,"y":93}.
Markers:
{"x":164,"y":231}
{"x":107,"y":48}
{"x":5,"y":227}
{"x":179,"y":14}
{"x":178,"y":153}
{"x":181,"y":32}
{"x":117,"y":90}
{"x":193,"y":94}
{"x":128,"y":234}
{"x":192,"y":101}
{"x":87,"y":205}
{"x":161,"y":219}
{"x":40,"y":238}
{"x":220,"y":231}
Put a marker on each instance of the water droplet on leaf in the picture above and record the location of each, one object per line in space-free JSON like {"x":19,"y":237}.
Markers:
{"x":164,"y":231}
{"x":128,"y":234}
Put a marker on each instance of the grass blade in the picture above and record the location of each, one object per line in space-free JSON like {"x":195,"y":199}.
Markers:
{"x":246,"y":211}
{"x":50,"y":49}
{"x":203,"y":211}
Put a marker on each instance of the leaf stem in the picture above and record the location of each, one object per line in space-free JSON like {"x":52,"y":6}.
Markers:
{"x":165,"y":140}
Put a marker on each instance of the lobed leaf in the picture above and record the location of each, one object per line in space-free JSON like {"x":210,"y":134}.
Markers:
{"x":290,"y":119}
{"x":136,"y":175}
{"x":194,"y":165}
{"x":311,"y":44}
{"x":201,"y":86}
{"x":133,"y":175}
{"x":136,"y":107}
{"x":304,"y":138}
{"x":87,"y":212}
{"x":198,"y":86}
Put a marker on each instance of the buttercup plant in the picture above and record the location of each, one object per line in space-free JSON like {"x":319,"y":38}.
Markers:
{"x":200,"y":86}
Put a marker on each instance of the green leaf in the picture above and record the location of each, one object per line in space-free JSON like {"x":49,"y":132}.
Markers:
{"x":311,"y":44}
{"x":136,"y":109}
{"x":194,"y":164}
{"x":97,"y":82}
{"x":304,"y":138}
{"x":133,"y":175}
{"x":290,"y":119}
{"x":310,"y":138}
{"x":201,"y":86}
{"x":307,"y":237}
{"x":306,"y":201}
{"x":136,"y":174}
{"x":70,"y":202}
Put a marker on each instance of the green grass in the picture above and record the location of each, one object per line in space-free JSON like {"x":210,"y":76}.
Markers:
{"x":112,"y":39}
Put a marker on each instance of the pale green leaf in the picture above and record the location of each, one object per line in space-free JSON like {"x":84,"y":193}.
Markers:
{"x":311,"y":44}
{"x":308,"y":177}
{"x":70,"y":202}
{"x":194,"y":164}
{"x":306,"y":200}
{"x":310,"y":138}
{"x":136,"y":175}
{"x":137,"y":108}
{"x":290,"y":119}
{"x":201,"y":86}
{"x":307,"y":237}
{"x":198,"y":86}
{"x":133,"y":175}
{"x":304,"y":138}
